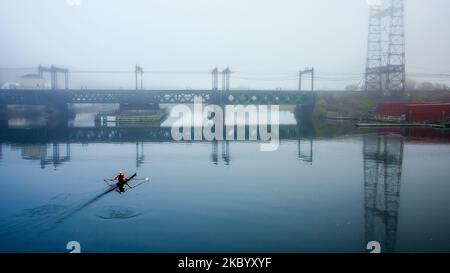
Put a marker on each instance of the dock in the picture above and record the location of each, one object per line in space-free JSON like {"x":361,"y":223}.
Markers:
{"x":398,"y":125}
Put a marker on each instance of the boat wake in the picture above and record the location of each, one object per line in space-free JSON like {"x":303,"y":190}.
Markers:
{"x":39,"y":220}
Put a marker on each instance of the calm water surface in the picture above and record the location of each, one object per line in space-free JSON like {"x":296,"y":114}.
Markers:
{"x":330,"y":188}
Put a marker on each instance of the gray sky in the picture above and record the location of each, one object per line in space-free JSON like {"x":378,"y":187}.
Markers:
{"x":256,"y":38}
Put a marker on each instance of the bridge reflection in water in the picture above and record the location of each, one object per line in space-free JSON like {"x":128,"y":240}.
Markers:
{"x":225,"y":155}
{"x":53,"y":154}
{"x":51,"y":146}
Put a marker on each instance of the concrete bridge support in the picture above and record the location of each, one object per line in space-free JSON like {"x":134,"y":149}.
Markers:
{"x":3,"y":115}
{"x":57,"y":115}
{"x":303,"y":113}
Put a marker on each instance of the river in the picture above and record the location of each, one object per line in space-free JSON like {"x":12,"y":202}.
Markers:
{"x":329,"y":187}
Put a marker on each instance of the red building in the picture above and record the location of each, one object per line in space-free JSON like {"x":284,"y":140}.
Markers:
{"x":391,"y":109}
{"x":414,"y":112}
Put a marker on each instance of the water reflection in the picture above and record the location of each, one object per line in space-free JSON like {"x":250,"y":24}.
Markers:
{"x":140,"y":158}
{"x":383,"y":164}
{"x":383,"y":158}
{"x":51,"y":146}
{"x":53,"y":154}
{"x":305,"y":149}
{"x":225,"y":152}
{"x":58,"y":153}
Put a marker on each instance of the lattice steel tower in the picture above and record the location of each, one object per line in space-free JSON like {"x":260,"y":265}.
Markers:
{"x":385,"y":66}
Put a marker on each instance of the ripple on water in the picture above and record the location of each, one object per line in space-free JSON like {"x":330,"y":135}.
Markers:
{"x":118,"y":212}
{"x":42,"y":211}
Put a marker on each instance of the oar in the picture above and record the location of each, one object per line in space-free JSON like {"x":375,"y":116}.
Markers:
{"x":138,"y":179}
{"x":145,"y":181}
{"x":131,"y":177}
{"x":142,"y":179}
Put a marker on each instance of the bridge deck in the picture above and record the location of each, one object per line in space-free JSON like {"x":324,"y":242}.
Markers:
{"x":43,"y":97}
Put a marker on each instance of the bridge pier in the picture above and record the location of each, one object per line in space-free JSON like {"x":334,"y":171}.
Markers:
{"x":57,"y":109}
{"x":3,"y":115}
{"x":303,"y":113}
{"x":57,"y":114}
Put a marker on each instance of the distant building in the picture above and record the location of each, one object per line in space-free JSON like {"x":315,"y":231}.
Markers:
{"x":10,"y":85}
{"x":414,"y":112}
{"x":32,"y":81}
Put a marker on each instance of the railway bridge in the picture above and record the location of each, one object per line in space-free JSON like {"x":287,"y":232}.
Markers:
{"x":261,"y":97}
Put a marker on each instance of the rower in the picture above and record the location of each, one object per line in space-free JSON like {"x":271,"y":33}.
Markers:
{"x":121,"y":180}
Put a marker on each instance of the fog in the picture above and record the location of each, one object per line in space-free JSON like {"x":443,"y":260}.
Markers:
{"x":264,"y":42}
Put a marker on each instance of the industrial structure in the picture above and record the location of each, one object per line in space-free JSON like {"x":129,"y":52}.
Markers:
{"x":226,"y":79}
{"x":385,"y":65}
{"x":139,"y":75}
{"x":215,"y":79}
{"x":305,"y":72}
{"x":54,"y":72}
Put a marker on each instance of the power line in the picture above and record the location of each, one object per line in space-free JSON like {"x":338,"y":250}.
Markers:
{"x":132,"y":72}
{"x":250,"y":76}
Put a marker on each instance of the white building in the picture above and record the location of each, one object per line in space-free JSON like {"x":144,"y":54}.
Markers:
{"x":10,"y":85}
{"x":32,"y":81}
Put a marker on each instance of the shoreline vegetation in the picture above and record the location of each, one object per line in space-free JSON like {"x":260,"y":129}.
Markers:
{"x":356,"y":105}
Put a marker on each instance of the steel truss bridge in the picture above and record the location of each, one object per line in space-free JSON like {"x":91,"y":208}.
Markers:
{"x":244,"y":97}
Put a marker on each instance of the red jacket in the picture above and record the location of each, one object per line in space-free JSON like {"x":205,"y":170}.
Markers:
{"x":117,"y":177}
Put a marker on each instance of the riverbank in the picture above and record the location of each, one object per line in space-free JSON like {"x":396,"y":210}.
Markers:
{"x":398,"y":125}
{"x":359,"y":104}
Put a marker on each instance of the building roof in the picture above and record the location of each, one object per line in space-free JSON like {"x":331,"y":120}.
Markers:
{"x":31,"y":76}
